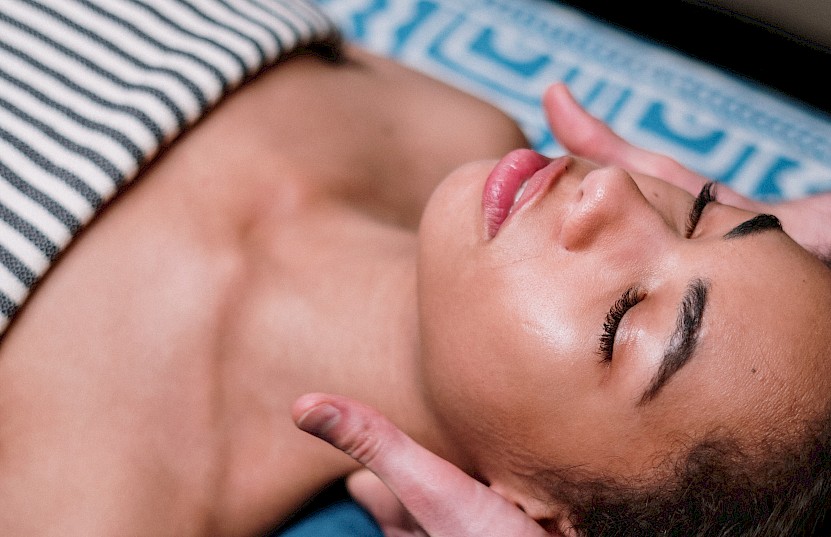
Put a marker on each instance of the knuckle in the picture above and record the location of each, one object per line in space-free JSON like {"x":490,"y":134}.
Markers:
{"x":364,"y":444}
{"x":668,"y":166}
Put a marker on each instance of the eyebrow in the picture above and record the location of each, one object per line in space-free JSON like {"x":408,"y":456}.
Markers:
{"x":684,"y":339}
{"x":757,"y":224}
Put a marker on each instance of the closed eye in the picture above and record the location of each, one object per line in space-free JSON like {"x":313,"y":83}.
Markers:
{"x":705,"y":196}
{"x":627,"y":301}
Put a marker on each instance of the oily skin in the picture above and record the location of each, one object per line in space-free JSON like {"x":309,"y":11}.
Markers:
{"x":510,"y":326}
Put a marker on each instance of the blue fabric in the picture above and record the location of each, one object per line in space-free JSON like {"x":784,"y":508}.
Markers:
{"x":342,"y":518}
{"x":508,"y":51}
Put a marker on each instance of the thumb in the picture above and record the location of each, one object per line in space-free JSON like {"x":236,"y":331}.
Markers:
{"x":444,"y":501}
{"x":374,"y":496}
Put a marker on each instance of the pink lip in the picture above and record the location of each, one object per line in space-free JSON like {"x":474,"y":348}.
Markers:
{"x":506,"y":178}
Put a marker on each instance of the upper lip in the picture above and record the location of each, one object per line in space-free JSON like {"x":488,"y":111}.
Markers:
{"x":503,"y":183}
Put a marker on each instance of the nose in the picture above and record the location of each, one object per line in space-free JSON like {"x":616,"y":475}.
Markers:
{"x":610,"y":210}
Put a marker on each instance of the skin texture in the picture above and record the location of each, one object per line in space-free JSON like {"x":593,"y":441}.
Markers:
{"x":271,"y":252}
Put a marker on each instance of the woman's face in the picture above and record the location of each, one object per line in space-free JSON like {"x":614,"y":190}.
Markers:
{"x":601,"y":326}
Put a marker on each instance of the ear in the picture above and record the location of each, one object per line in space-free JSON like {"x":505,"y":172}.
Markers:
{"x":554,"y":516}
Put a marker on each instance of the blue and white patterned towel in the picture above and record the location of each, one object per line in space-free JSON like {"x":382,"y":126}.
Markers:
{"x":509,"y":51}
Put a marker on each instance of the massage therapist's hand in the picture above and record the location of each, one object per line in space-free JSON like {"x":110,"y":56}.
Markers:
{"x":418,"y":492}
{"x":807,"y":220}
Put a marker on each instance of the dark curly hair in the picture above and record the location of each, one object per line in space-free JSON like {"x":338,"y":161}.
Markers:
{"x":717,"y":489}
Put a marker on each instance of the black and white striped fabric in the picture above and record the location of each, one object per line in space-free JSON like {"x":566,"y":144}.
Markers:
{"x":90,"y":90}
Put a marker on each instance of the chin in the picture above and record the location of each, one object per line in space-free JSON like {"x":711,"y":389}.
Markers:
{"x":453,"y":212}
{"x":450,"y":235}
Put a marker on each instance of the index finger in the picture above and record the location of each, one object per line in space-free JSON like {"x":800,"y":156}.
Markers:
{"x":584,"y":135}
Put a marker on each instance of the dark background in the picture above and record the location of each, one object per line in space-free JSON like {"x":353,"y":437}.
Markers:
{"x":744,"y":46}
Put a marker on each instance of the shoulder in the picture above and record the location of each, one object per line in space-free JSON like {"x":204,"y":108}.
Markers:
{"x":92,"y":90}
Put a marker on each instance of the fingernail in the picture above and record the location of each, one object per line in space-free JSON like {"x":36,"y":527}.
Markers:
{"x":319,"y":420}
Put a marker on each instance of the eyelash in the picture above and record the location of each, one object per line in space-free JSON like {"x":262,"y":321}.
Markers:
{"x":627,"y":301}
{"x":632,"y":296}
{"x":707,"y":195}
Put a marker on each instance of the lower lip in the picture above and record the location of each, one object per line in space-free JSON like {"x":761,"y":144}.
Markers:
{"x":515,"y":168}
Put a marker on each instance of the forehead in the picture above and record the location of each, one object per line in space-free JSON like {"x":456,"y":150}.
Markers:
{"x":762,"y":358}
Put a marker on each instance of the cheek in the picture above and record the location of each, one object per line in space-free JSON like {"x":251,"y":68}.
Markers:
{"x":507,"y":368}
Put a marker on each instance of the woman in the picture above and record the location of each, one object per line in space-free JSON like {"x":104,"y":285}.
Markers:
{"x":716,"y":482}
{"x":272,"y":251}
